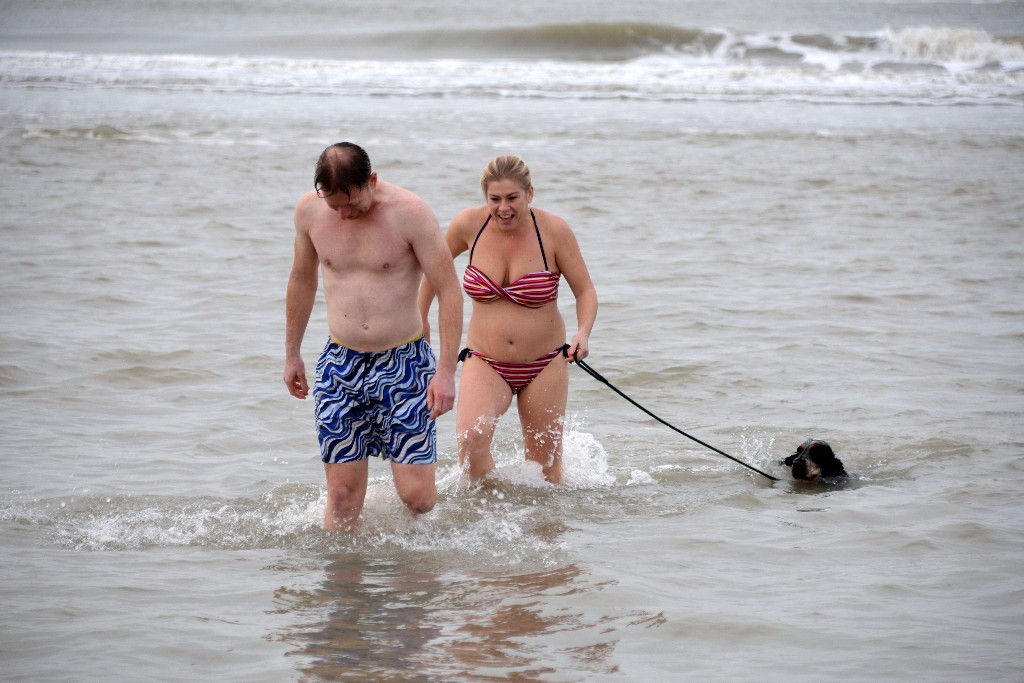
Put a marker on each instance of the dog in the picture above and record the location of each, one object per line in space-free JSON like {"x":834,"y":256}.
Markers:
{"x":815,"y":460}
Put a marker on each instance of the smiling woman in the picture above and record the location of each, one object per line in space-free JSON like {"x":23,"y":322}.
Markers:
{"x":516,"y":338}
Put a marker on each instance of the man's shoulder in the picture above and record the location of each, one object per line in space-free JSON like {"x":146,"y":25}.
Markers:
{"x":308,"y":197}
{"x":398,"y":194}
{"x":306,"y":209}
{"x":407,"y":207}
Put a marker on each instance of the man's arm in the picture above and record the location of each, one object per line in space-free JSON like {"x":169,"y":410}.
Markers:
{"x":302,"y":286}
{"x":456,"y":245}
{"x":426,"y":300}
{"x":435,"y":259}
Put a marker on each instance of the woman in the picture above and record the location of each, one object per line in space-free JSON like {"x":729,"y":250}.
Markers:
{"x":515,"y":344}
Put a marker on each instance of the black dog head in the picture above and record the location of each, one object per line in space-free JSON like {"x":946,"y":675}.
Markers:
{"x":813,"y":460}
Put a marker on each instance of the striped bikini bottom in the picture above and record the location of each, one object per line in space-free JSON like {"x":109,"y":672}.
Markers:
{"x":517,"y":375}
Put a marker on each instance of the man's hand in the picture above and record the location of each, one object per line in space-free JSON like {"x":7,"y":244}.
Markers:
{"x":295,"y":378}
{"x":441,"y":394}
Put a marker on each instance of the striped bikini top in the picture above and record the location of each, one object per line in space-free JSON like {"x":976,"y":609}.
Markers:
{"x":532,"y":290}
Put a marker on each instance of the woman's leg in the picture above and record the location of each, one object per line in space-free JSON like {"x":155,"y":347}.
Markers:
{"x":542,"y":413}
{"x":483,"y":399}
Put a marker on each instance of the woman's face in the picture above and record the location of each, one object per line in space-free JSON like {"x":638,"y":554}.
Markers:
{"x":508,"y":201}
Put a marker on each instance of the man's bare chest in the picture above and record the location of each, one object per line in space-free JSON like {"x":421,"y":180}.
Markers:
{"x":364,"y":248}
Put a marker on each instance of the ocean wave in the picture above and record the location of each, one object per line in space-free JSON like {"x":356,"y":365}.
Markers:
{"x":948,"y":49}
{"x":589,"y":41}
{"x":948,"y":46}
{"x":912,"y":66}
{"x":585,"y":41}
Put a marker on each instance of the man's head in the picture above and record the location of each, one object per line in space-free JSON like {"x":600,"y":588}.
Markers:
{"x":345,"y":180}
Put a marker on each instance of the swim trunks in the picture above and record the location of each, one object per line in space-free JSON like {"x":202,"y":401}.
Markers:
{"x":375,"y":404}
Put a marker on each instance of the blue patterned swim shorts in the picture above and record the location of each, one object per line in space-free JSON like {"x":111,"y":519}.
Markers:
{"x":375,"y":404}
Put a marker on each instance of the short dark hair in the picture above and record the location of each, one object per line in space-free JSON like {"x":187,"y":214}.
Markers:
{"x":341,"y":167}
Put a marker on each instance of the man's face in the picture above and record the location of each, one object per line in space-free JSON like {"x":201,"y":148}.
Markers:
{"x":356,"y":203}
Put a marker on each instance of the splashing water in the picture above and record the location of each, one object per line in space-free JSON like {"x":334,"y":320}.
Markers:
{"x":514,"y":517}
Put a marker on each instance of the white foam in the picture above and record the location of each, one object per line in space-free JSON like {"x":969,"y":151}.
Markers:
{"x":495,"y":520}
{"x":951,"y":46}
{"x":849,"y":71}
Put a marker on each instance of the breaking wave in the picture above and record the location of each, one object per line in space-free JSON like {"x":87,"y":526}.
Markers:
{"x":924,"y":65}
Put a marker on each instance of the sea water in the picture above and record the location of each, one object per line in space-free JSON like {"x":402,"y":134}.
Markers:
{"x":802,"y":218}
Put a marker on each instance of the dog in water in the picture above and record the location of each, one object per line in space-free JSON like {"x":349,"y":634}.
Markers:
{"x":815,"y":460}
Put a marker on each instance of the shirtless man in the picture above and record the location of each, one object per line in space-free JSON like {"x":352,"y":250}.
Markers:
{"x":376,"y":392}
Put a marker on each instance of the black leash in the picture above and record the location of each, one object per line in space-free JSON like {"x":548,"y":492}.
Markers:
{"x":596,"y":375}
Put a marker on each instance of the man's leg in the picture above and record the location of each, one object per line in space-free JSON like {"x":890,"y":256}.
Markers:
{"x":346,"y":491}
{"x":415,"y":485}
{"x":411,"y":446}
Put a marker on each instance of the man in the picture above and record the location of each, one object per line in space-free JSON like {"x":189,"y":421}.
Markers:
{"x":376,"y":392}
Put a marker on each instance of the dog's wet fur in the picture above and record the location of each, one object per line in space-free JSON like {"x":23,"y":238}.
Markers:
{"x":814,"y":460}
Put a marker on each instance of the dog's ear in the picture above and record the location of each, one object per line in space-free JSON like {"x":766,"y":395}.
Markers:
{"x":833,"y":467}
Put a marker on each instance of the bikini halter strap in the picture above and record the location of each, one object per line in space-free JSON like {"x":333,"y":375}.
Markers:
{"x":536,"y":228}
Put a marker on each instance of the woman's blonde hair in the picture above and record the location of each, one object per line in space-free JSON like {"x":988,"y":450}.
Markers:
{"x":508,"y":167}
